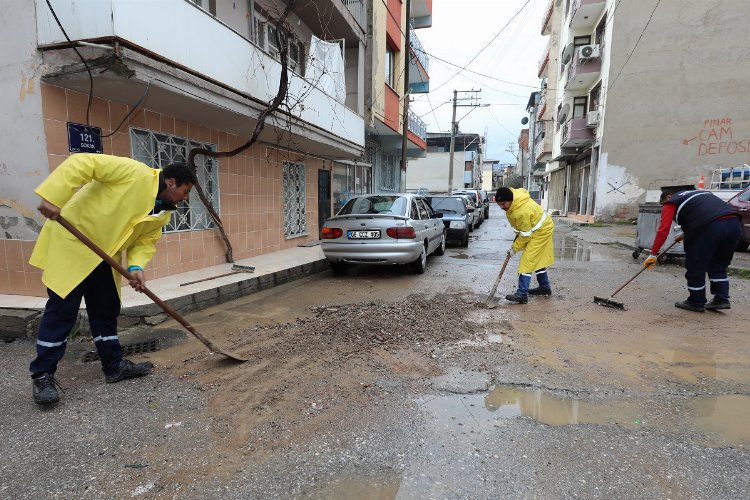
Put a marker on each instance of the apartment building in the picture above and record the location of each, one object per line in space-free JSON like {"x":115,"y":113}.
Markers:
{"x":165,"y":77}
{"x":639,"y":95}
{"x":396,"y":65}
{"x":432,"y":172}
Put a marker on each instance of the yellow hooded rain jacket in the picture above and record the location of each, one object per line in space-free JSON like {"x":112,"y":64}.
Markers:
{"x":112,"y":207}
{"x":534,"y":229}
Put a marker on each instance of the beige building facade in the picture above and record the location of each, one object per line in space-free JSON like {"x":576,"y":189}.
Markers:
{"x":647,"y":94}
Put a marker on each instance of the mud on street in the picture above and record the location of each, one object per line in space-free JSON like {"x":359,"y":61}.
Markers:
{"x":383,"y":384}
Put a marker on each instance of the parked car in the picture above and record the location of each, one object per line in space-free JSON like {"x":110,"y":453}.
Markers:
{"x":383,"y":229}
{"x":741,"y":202}
{"x":458,"y":217}
{"x":485,"y":203}
{"x":472,"y":209}
{"x":476,"y":198}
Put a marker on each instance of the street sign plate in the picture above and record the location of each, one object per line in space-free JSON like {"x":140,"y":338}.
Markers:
{"x":84,"y":139}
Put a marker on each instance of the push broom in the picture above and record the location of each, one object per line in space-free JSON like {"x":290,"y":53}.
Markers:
{"x":608,"y":302}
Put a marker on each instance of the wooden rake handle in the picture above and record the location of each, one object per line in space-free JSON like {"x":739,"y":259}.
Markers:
{"x":120,"y":269}
{"x":499,"y":277}
{"x":643,"y":269}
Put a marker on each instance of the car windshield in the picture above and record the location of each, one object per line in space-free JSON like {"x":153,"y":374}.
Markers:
{"x":472,"y":195}
{"x":375,"y":204}
{"x":446,"y":204}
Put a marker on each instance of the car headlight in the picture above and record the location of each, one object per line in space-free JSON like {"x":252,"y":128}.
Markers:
{"x":458,"y":224}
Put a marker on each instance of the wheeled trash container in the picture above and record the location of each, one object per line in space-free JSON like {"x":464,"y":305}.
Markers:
{"x":649,"y":218}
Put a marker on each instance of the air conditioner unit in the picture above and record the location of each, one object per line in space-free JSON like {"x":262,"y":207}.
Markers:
{"x":592,"y":119}
{"x":588,"y":51}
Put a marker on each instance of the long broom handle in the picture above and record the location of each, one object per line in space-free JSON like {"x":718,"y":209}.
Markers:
{"x":120,"y":269}
{"x":499,"y":277}
{"x":643,"y":269}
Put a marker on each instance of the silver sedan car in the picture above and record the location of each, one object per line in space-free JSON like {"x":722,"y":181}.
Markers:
{"x":383,"y":229}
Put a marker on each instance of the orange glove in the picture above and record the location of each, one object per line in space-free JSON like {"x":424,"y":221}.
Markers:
{"x":650,"y":262}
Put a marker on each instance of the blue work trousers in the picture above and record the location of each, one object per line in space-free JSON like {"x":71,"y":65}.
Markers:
{"x":710,"y":252}
{"x":102,"y":305}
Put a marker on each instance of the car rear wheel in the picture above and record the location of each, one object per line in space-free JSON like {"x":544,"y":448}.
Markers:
{"x":419,"y":265}
{"x":338,"y":268}
{"x":440,"y":250}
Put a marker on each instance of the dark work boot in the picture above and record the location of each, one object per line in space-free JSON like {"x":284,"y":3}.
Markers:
{"x":44,"y":390}
{"x":715,"y":304}
{"x":128,"y":369}
{"x":544,"y":288}
{"x":518,"y":298}
{"x":689,"y":306}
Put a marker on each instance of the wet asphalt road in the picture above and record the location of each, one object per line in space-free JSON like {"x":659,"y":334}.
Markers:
{"x":512,"y":414}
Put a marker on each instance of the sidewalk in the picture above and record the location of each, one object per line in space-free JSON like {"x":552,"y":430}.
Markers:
{"x":624,"y":235}
{"x":189,"y":291}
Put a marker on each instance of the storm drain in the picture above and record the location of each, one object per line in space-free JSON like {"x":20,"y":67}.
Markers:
{"x":128,"y":349}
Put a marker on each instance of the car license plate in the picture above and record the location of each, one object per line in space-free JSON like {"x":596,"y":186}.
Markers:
{"x":363,"y":235}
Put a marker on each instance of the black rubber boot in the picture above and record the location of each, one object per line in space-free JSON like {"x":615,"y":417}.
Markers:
{"x":517,"y":298}
{"x":128,"y":369}
{"x":540,"y":291}
{"x":689,"y":306}
{"x":44,"y":389}
{"x":715,"y":304}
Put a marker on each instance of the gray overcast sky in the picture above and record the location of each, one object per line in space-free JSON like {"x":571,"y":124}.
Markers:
{"x":460,"y":28}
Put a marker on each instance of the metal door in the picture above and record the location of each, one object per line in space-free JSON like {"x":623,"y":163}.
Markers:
{"x":324,"y":198}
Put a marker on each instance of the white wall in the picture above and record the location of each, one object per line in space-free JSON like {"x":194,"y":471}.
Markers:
{"x":431,"y":172}
{"x":23,"y":161}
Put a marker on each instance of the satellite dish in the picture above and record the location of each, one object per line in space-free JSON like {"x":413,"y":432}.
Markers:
{"x":563,"y":114}
{"x":567,"y":53}
{"x":524,"y":120}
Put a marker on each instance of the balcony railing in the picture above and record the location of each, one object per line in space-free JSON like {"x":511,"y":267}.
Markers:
{"x":417,"y":125}
{"x":544,"y":59}
{"x":416,"y":46}
{"x":575,"y":134}
{"x":358,"y":10}
{"x":547,"y":17}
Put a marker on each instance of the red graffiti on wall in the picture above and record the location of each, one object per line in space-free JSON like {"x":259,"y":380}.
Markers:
{"x":717,"y":137}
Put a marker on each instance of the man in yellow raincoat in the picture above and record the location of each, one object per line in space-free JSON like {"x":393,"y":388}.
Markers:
{"x":122,"y":205}
{"x":534,"y":230}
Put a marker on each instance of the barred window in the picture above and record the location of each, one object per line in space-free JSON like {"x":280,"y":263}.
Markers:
{"x":159,"y":150}
{"x":295,"y":214}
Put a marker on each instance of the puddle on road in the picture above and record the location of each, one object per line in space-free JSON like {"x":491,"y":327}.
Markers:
{"x":359,"y":488}
{"x":721,"y":421}
{"x":509,"y":401}
{"x":725,"y":417}
{"x":574,"y":250}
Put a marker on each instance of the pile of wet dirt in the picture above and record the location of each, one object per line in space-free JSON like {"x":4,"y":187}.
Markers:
{"x":418,"y":321}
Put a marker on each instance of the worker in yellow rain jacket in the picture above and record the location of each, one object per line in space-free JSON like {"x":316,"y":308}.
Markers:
{"x":534,"y":230}
{"x":122,"y":205}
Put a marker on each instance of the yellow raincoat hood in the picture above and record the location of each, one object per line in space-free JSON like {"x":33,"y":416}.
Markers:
{"x":535,"y":230}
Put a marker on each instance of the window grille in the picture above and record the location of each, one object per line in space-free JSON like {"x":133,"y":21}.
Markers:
{"x":295,"y":213}
{"x":159,"y":150}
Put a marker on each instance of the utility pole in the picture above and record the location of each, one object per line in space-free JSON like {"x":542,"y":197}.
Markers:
{"x":473,"y":99}
{"x":405,"y":125}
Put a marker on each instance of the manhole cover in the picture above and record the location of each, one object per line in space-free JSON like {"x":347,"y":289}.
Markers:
{"x":128,"y":349}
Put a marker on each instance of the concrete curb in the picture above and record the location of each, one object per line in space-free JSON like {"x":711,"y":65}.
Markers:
{"x":24,"y":323}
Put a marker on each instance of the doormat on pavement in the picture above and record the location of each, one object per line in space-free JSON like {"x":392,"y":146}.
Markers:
{"x":128,"y":349}
{"x":313,"y":243}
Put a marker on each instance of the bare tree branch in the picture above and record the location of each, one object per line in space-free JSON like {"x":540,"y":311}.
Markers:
{"x":282,"y":37}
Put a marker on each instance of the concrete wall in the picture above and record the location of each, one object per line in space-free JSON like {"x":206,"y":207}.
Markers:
{"x":431,"y":172}
{"x":680,"y":107}
{"x":23,"y":162}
